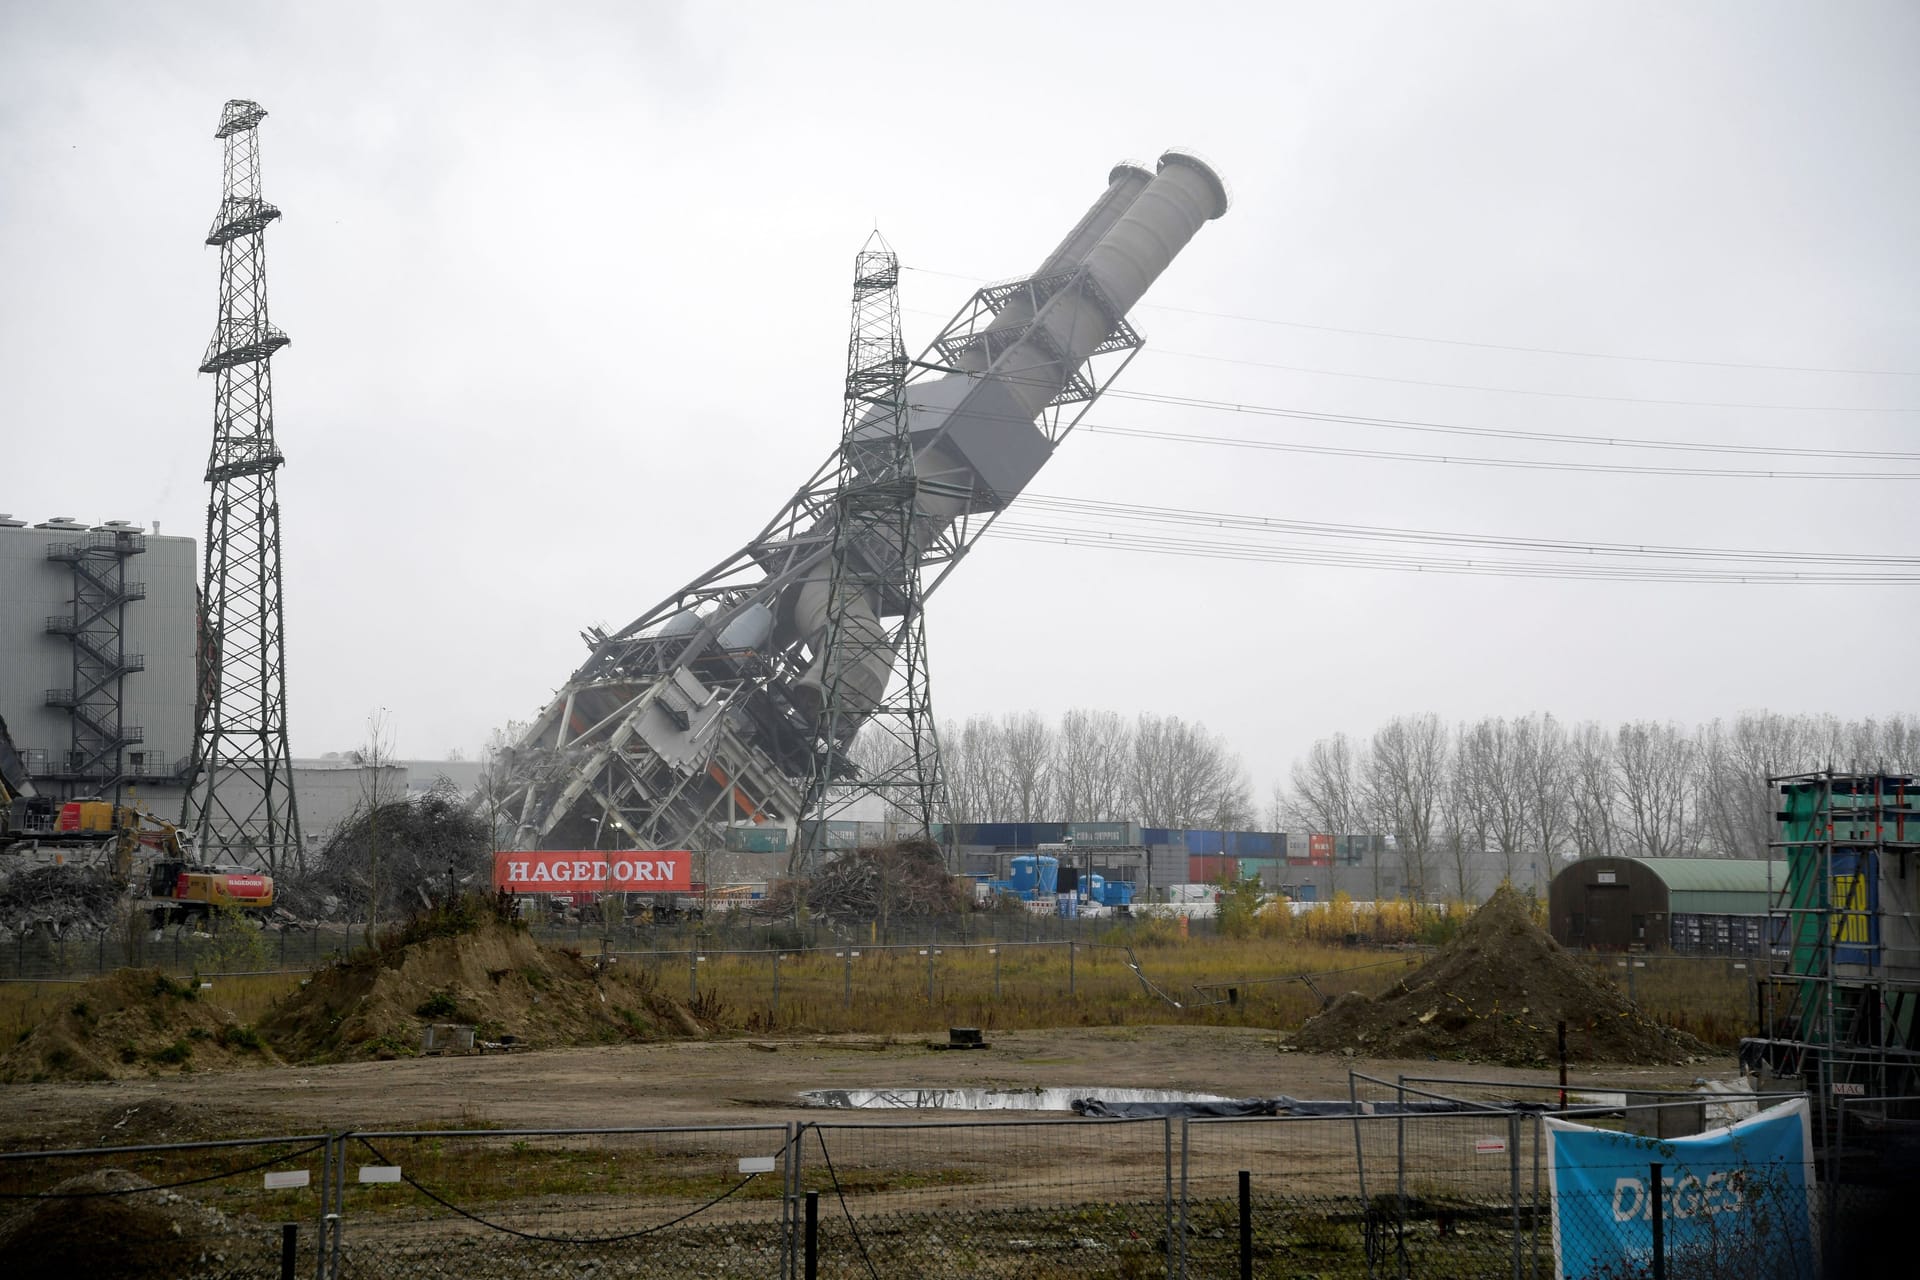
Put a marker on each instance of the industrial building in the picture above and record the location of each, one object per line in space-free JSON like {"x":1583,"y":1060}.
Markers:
{"x":1715,"y":906}
{"x":97,"y":664}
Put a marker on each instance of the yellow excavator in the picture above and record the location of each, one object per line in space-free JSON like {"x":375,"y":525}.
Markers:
{"x":110,"y":841}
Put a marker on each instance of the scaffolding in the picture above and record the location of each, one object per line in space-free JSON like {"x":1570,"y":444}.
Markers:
{"x":1841,"y":1003}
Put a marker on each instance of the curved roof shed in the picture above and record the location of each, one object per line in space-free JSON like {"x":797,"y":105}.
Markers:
{"x":1625,"y":902}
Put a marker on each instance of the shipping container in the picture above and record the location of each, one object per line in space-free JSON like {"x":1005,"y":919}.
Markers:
{"x":768,"y":839}
{"x":1206,"y":842}
{"x":1256,"y":844}
{"x":1110,"y":834}
{"x":1211,"y":867}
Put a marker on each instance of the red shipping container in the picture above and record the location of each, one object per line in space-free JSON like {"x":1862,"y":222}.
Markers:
{"x":1208,"y":868}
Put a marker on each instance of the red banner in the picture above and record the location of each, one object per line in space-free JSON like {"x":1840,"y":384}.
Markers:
{"x":594,"y":871}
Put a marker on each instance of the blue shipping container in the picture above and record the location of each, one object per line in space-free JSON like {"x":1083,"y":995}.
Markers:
{"x":1202,"y":843}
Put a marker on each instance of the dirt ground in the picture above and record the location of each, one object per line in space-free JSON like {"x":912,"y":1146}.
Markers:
{"x":746,"y":1081}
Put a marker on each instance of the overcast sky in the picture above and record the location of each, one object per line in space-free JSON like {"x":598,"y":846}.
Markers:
{"x":567,"y":287}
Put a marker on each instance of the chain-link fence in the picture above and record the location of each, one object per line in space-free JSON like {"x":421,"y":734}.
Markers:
{"x":1387,"y":1189}
{"x":188,"y":1211}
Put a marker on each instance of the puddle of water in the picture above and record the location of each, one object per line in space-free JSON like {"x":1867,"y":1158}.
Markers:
{"x":989,"y":1099}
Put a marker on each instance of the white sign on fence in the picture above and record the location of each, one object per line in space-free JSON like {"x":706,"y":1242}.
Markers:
{"x":1489,"y":1146}
{"x":756,"y":1164}
{"x":289,"y":1178}
{"x":379,"y":1173}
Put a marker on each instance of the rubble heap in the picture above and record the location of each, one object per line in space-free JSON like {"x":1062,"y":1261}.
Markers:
{"x":133,"y":1022}
{"x":470,"y":962}
{"x":876,"y":882}
{"x":1494,"y":994}
{"x":106,"y":1222}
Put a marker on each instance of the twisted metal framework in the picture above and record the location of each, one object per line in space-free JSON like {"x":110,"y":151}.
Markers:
{"x":240,"y":797}
{"x":875,"y":684}
{"x":705,"y":713}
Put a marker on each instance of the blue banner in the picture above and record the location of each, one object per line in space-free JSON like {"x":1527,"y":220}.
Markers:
{"x":1745,"y":1191}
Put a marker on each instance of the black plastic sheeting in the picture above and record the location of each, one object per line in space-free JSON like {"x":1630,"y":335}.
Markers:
{"x":1285,"y":1106}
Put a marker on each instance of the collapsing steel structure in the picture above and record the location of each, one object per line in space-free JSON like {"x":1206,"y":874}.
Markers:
{"x":725,"y":704}
{"x":240,"y":803}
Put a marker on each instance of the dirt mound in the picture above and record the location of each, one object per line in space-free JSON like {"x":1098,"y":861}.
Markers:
{"x":1494,"y":994}
{"x":133,"y":1022}
{"x":148,"y":1233}
{"x":470,"y":968}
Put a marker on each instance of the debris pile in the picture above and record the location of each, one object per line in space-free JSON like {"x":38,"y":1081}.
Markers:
{"x":469,"y":962}
{"x":57,"y":902}
{"x":133,"y":1022}
{"x":107,"y":1223}
{"x":876,"y":882}
{"x":1494,"y":994}
{"x":410,"y":852}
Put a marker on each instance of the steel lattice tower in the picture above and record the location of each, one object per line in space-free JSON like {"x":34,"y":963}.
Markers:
{"x":874,"y":680}
{"x":240,"y":797}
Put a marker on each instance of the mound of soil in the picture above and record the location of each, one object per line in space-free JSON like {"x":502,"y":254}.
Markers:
{"x":486,"y":973}
{"x":92,"y":1223}
{"x":1494,"y":994}
{"x":133,"y":1022}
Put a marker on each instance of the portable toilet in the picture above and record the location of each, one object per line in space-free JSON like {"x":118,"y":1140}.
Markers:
{"x":1035,"y":875}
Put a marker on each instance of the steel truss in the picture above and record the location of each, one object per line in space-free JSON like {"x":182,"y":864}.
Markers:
{"x":875,"y":683}
{"x":602,"y":766}
{"x":240,"y":802}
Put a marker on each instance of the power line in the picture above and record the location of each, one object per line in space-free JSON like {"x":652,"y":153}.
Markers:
{"x":1093,"y":508}
{"x":1521,"y":464}
{"x":1210,"y":549}
{"x":1527,"y":391}
{"x":1507,"y":433}
{"x":1484,"y":346}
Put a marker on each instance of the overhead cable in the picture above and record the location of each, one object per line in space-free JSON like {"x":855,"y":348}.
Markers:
{"x":1484,"y":346}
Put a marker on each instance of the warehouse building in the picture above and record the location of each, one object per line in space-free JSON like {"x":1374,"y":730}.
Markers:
{"x":1715,"y":906}
{"x":97,"y":665}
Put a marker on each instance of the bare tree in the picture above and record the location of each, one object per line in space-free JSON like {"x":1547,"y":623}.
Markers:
{"x":1184,"y":775}
{"x":377,"y":790}
{"x":976,"y":770}
{"x":1594,"y":792}
{"x":1655,"y":765}
{"x":1091,"y":759}
{"x":1546,"y":775}
{"x":1404,"y":782}
{"x":1492,"y":756}
{"x":1026,"y":745}
{"x":1326,"y":787}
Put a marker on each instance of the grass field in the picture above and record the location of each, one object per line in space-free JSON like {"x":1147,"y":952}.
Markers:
{"x":915,"y":990}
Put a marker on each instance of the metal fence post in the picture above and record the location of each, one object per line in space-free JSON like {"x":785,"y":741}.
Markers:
{"x":1657,"y":1198}
{"x":1186,"y":1169}
{"x":813,"y":1236}
{"x":776,"y":988}
{"x":1246,"y":1224}
{"x":1513,"y":1183}
{"x":847,"y":999}
{"x":320,"y":1225}
{"x":1070,"y":979}
{"x":1539,"y":1143}
{"x":1166,"y":1200}
{"x":693,"y":976}
{"x":289,"y":1249}
{"x":996,"y":973}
